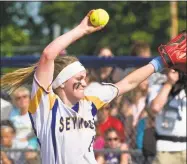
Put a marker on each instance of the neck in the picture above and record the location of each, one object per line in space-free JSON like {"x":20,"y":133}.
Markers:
{"x":105,"y":72}
{"x":69,"y":101}
{"x":9,"y":146}
{"x":23,"y":111}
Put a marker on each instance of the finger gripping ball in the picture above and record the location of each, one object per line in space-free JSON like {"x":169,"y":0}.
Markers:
{"x":99,"y":17}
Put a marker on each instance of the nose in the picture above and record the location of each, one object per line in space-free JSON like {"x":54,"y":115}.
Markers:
{"x":83,"y":82}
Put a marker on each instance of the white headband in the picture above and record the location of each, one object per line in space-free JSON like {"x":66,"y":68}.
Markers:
{"x":68,"y":72}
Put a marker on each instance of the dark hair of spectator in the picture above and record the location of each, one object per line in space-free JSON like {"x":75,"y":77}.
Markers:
{"x":180,"y":84}
{"x":8,"y":123}
{"x":109,"y":130}
{"x":92,"y":75}
{"x":138,"y":47}
{"x":98,"y":50}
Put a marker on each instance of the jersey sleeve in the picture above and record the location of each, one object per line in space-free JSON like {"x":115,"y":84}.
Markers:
{"x":40,"y":105}
{"x":101,"y":94}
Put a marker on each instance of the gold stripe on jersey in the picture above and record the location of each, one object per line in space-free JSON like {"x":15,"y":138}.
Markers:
{"x":35,"y":101}
{"x":97,"y":102}
{"x":52,"y":98}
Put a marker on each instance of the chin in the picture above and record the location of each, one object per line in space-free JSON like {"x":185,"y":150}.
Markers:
{"x":80,"y":96}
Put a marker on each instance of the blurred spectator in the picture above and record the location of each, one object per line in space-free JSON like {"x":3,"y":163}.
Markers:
{"x":131,"y":108}
{"x":5,"y":95}
{"x":149,"y":140}
{"x":113,"y":142}
{"x":145,"y":135}
{"x":32,"y":157}
{"x":6,"y":108}
{"x":114,"y":108}
{"x":91,"y":77}
{"x":21,"y":99}
{"x":8,"y":140}
{"x":140,"y":127}
{"x":106,"y":72}
{"x":109,"y":74}
{"x":170,"y":106}
{"x":99,"y":141}
{"x":105,"y":121}
{"x":126,"y":117}
{"x":138,"y":100}
{"x":141,"y":49}
{"x":138,"y":49}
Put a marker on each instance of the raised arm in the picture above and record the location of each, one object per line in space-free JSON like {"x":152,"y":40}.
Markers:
{"x":132,"y":80}
{"x":173,"y":56}
{"x":161,"y":99}
{"x":45,"y":69}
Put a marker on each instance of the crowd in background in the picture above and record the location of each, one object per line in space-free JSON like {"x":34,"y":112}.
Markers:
{"x":127,"y":123}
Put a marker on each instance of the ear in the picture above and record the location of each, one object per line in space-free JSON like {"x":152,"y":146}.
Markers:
{"x":62,"y":86}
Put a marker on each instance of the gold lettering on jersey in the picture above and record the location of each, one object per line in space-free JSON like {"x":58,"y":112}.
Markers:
{"x":71,"y":123}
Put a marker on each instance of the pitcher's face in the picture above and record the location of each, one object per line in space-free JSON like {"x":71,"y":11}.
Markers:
{"x":75,"y":85}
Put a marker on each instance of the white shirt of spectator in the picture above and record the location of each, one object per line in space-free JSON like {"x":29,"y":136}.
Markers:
{"x":179,"y":129}
{"x":6,"y":108}
{"x":74,"y":143}
{"x":23,"y":127}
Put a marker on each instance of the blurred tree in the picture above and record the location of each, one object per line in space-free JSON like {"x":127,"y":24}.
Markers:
{"x":12,"y":35}
{"x":129,"y":21}
{"x":11,"y":32}
{"x":19,"y":27}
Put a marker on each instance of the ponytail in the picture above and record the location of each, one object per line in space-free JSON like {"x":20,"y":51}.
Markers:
{"x":24,"y":76}
{"x":13,"y":80}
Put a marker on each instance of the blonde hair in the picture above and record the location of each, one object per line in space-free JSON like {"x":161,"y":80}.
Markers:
{"x":20,"y":89}
{"x":24,"y":76}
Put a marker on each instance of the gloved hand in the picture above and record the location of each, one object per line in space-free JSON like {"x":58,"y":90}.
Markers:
{"x":174,"y":53}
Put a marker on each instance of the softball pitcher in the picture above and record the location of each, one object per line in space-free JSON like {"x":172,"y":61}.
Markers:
{"x":62,"y":110}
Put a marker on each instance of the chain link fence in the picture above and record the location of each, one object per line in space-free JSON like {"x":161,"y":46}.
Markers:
{"x":30,"y":156}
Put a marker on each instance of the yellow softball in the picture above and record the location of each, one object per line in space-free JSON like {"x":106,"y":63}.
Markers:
{"x":99,"y":17}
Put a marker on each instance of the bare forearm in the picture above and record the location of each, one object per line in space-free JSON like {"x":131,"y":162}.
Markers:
{"x":132,"y":80}
{"x":162,"y":98}
{"x":62,"y":42}
{"x":5,"y":159}
{"x":124,"y":159}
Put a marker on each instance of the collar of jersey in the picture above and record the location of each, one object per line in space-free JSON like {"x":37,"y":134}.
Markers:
{"x":74,"y":108}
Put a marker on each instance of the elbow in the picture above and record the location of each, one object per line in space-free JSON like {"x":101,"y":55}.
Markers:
{"x":47,"y":54}
{"x":155,"y":107}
